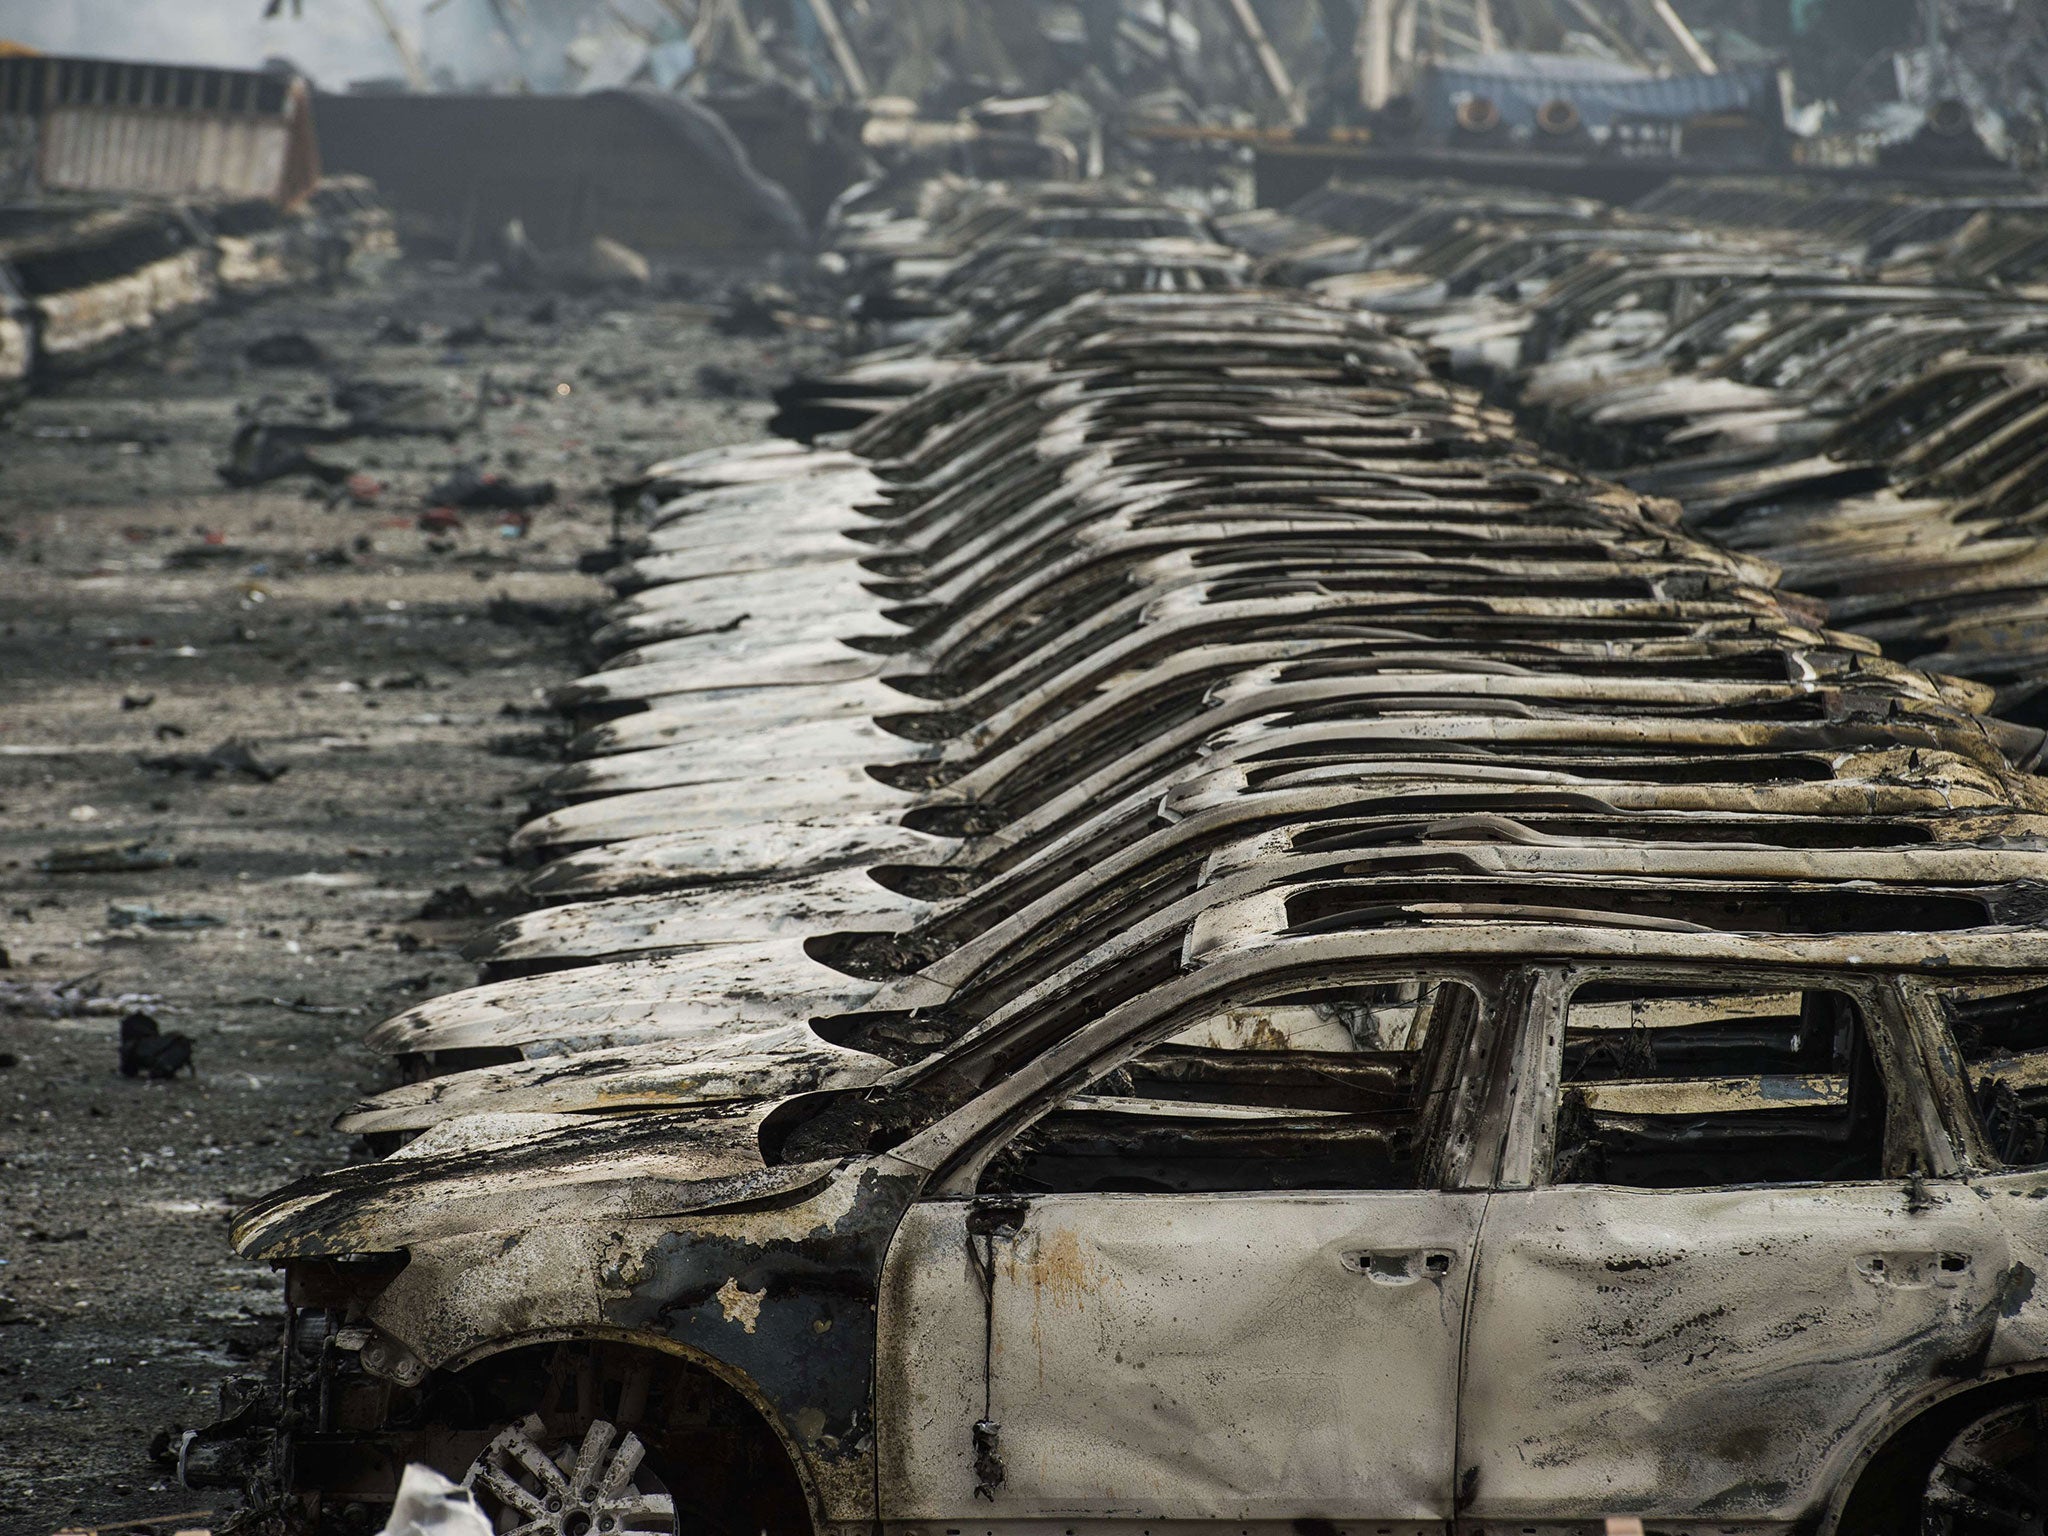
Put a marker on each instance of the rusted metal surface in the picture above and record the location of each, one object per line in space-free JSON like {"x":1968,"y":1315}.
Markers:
{"x":1185,"y":931}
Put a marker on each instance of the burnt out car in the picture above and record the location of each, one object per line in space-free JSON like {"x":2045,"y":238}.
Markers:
{"x":1480,"y":1217}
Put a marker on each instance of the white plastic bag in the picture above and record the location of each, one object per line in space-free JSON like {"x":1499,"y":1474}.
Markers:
{"x":429,"y":1505}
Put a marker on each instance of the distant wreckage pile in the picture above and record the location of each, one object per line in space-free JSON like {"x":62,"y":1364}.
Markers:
{"x":83,"y":283}
{"x":1159,"y":917}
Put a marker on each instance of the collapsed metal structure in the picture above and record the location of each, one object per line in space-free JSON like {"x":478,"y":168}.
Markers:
{"x":114,"y":127}
{"x":83,"y":282}
{"x":1177,"y":748}
{"x":135,"y":197}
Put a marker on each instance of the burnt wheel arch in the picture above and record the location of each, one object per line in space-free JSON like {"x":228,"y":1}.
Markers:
{"x":1889,"y":1481}
{"x":727,"y":1464}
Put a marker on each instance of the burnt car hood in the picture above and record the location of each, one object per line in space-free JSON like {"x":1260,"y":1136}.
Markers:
{"x":724,"y":1064}
{"x":485,"y":1173}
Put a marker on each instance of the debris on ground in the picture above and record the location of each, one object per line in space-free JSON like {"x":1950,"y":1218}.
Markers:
{"x":472,"y":489}
{"x":600,"y":263}
{"x":235,"y":756}
{"x":402,"y":408}
{"x":279,"y":440}
{"x":595,"y":562}
{"x":146,"y":1051}
{"x":537,"y":746}
{"x":450,"y":903}
{"x":382,"y":805}
{"x":725,"y":383}
{"x":214,"y":551}
{"x":525,"y":613}
{"x":756,"y":309}
{"x":142,"y":914}
{"x":103,"y":859}
{"x":263,"y":451}
{"x":285,"y":349}
{"x":610,"y":264}
{"x":430,"y":1505}
{"x":74,"y":998}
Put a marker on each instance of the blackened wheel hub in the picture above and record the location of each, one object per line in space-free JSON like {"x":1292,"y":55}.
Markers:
{"x":599,"y":1486}
{"x":1993,"y":1478}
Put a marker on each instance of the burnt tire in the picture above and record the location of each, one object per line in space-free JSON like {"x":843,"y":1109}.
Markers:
{"x":1992,"y":1476}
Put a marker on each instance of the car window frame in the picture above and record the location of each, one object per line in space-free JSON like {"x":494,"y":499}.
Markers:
{"x":1915,"y":1127}
{"x":959,"y":1148}
{"x":1942,"y":1061}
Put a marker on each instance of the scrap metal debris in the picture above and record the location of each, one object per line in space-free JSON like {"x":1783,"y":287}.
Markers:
{"x":136,"y":197}
{"x":1243,"y":806}
{"x":234,"y":757}
{"x":147,"y":1051}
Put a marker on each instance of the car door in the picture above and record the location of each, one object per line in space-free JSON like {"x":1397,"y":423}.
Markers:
{"x":1222,"y":1284}
{"x":1740,"y":1242}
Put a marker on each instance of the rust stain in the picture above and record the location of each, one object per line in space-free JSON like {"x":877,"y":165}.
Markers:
{"x":1063,"y":1275}
{"x":1257,"y":1031}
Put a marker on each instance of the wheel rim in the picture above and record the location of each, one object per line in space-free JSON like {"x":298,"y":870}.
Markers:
{"x":1993,"y":1477}
{"x":597,"y":1487}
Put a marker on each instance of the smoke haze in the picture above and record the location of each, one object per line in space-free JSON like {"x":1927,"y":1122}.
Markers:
{"x":335,"y":41}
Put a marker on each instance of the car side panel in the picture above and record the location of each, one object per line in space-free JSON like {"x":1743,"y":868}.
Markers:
{"x":1160,"y":1357}
{"x":1711,"y":1355}
{"x":2018,"y":1203}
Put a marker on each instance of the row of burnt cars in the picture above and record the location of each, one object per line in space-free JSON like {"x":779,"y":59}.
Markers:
{"x":1173,"y":927}
{"x":1850,"y":382}
{"x":82,"y":281}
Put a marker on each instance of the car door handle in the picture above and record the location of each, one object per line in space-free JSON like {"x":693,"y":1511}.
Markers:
{"x":1400,"y":1266}
{"x":1913,"y":1269}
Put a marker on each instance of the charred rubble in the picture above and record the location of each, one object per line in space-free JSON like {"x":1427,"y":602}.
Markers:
{"x":1372,"y":863}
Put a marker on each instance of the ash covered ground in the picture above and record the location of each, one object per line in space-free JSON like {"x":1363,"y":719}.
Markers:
{"x":377,"y":686}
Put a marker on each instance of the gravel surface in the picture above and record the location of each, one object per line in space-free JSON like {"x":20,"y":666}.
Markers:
{"x":378,"y":686}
